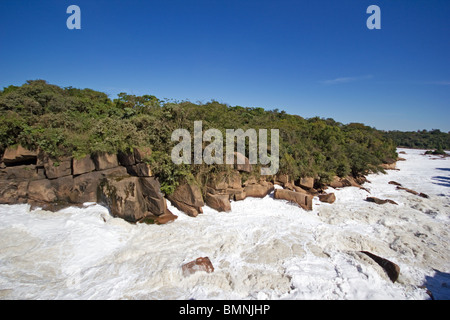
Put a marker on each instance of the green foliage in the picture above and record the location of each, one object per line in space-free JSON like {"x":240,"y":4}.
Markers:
{"x":434,"y":139}
{"x":76,"y":122}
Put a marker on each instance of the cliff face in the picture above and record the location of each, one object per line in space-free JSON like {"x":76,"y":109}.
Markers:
{"x":123,"y":183}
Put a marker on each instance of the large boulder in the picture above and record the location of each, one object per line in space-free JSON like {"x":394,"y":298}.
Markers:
{"x":187,"y":197}
{"x":19,"y":155}
{"x":259,"y":190}
{"x":219,"y":202}
{"x":306,"y":182}
{"x":327,"y":198}
{"x":123,"y":197}
{"x":140,"y":170}
{"x":303,"y":200}
{"x":155,"y":201}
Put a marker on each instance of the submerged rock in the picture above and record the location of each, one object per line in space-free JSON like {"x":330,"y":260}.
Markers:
{"x":380,"y":201}
{"x":199,"y":264}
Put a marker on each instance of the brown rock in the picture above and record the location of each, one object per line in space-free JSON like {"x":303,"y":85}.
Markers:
{"x":155,"y":201}
{"x":165,"y":218}
{"x":392,"y":269}
{"x":336,"y":183}
{"x":389,"y":166}
{"x":42,"y":191}
{"x":105,"y":161}
{"x":57,"y":168}
{"x":395,"y":183}
{"x":327,"y":198}
{"x":140,"y":170}
{"x":19,"y":155}
{"x":408,"y":190}
{"x":303,"y":200}
{"x":199,"y":264}
{"x":13,"y":192}
{"x":219,"y":202}
{"x":258,"y":190}
{"x":240,"y":195}
{"x":380,"y":201}
{"x":306,"y":182}
{"x":126,"y":158}
{"x":21,"y":172}
{"x":83,"y":165}
{"x":187,"y":198}
{"x":123,"y":197}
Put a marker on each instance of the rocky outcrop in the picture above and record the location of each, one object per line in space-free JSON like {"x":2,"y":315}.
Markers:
{"x":132,"y":198}
{"x":199,"y":264}
{"x":301,"y":199}
{"x":57,"y":183}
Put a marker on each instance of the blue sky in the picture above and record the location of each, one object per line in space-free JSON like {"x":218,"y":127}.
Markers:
{"x":311,"y":58}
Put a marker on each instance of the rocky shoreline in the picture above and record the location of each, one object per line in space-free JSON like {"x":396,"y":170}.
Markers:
{"x":125,"y":185}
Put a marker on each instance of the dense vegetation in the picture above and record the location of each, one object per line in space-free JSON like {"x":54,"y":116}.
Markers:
{"x":76,"y":122}
{"x":434,"y":139}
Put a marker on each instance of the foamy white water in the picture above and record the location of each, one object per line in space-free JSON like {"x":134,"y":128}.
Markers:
{"x":263,"y":249}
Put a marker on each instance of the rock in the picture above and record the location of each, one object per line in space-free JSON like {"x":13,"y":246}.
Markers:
{"x":380,"y":201}
{"x":303,"y":200}
{"x":123,"y":197}
{"x":187,"y":198}
{"x":258,"y":190}
{"x":392,"y":269}
{"x":394,"y":183}
{"x":240,"y":195}
{"x":408,"y":190}
{"x":241,"y":162}
{"x":219,"y":202}
{"x":126,"y":158}
{"x":105,"y":161}
{"x":199,"y":264}
{"x":156,"y":203}
{"x":42,"y":191}
{"x":423,"y":195}
{"x":83,"y":165}
{"x":389,"y":166}
{"x":327,"y":198}
{"x":282,"y":180}
{"x":402,"y":152}
{"x":57,"y":168}
{"x":140,"y":170}
{"x":306,"y":182}
{"x":142,"y":153}
{"x":19,"y":155}
{"x":13,"y":192}
{"x":336,"y":183}
{"x":165,"y":218}
{"x":22,"y":172}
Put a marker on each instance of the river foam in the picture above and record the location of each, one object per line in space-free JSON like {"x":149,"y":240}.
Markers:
{"x":263,"y":249}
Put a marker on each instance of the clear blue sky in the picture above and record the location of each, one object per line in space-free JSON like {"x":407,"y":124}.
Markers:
{"x":311,"y":58}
